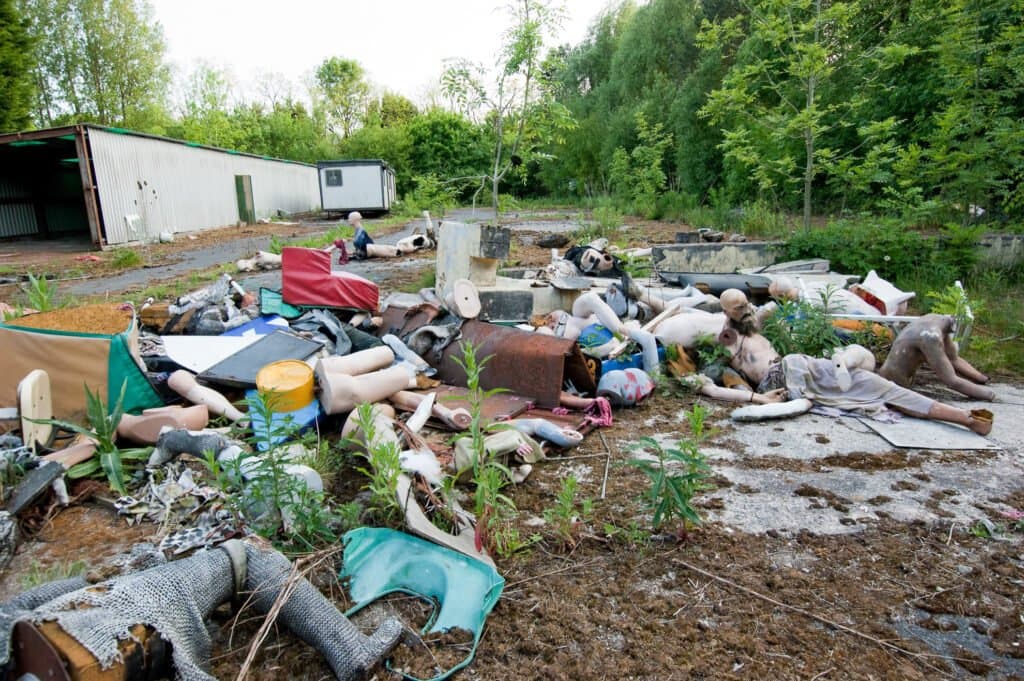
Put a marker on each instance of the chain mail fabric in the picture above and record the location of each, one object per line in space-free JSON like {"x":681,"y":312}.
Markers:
{"x":175,"y":599}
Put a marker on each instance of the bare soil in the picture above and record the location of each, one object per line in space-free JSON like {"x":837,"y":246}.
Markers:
{"x":889,"y":600}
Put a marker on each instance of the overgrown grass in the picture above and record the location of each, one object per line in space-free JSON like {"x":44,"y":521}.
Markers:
{"x":38,"y":575}
{"x":123,"y":258}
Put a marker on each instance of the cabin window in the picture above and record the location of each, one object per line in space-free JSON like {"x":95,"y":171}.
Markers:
{"x":333,"y":177}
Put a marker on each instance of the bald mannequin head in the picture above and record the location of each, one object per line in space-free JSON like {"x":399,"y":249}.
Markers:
{"x":355,"y":218}
{"x":738,"y":311}
{"x":783,"y":288}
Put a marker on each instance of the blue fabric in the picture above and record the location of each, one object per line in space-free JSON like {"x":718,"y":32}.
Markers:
{"x":361,"y":240}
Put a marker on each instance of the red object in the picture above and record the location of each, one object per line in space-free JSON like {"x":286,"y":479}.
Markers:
{"x":307,"y":280}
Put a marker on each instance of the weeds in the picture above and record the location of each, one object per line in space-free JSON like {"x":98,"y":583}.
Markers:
{"x":568,"y":519}
{"x":801,"y":327}
{"x":124,"y":258}
{"x":266,"y":491}
{"x":384,"y":466}
{"x":41,"y":293}
{"x":678,"y":474}
{"x":109,"y":459}
{"x":494,"y":510}
{"x":38,"y":575}
{"x":276,"y":245}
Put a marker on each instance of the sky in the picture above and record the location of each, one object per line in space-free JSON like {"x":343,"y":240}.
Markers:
{"x":401,"y":44}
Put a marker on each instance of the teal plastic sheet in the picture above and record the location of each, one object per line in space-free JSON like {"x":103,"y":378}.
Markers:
{"x":463,"y":590}
{"x":272,"y":303}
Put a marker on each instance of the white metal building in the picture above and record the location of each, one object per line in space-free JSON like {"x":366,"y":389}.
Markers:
{"x":114,"y":186}
{"x":365,"y":185}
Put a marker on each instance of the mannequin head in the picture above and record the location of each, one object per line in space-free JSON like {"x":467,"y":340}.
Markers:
{"x":783,"y":288}
{"x":355,"y":218}
{"x":739,"y":312}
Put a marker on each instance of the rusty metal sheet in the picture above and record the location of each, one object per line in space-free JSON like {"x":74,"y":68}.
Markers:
{"x":402,"y":321}
{"x":525,"y":363}
{"x":496,"y":408}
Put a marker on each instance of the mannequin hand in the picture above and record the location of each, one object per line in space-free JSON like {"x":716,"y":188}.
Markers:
{"x":778,"y":395}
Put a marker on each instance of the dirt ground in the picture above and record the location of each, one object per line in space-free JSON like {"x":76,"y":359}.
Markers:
{"x":887,"y":600}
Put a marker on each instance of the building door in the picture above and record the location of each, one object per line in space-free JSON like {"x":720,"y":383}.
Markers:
{"x":246,"y":206}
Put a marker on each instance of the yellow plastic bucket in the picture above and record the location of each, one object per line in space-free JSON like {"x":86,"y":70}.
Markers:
{"x":288,"y":382}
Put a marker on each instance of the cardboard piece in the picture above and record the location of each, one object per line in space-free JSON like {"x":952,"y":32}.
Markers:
{"x":915,"y":433}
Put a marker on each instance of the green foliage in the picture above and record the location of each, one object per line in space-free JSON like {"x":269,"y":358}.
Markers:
{"x":637,"y":176}
{"x":857,"y":246}
{"x":272,"y":500}
{"x":494,"y":510}
{"x":384,"y":466}
{"x":124,"y":258}
{"x":110,"y":461}
{"x":801,"y":327}
{"x":632,"y":534}
{"x":38,"y":575}
{"x":98,"y":61}
{"x":16,"y":64}
{"x":429,"y":193}
{"x":276,"y":246}
{"x":342,"y":85}
{"x":41,"y":293}
{"x":710,"y":351}
{"x":605,"y":223}
{"x":521,"y":115}
{"x":679,"y":473}
{"x":568,"y":518}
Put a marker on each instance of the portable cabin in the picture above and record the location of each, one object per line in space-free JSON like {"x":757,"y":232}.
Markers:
{"x":365,"y":185}
{"x":111,"y":186}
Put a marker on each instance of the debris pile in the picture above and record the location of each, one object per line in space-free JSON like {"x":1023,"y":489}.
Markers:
{"x":210,"y":416}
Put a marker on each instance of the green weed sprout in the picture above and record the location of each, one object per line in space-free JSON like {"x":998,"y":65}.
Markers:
{"x":679,"y":473}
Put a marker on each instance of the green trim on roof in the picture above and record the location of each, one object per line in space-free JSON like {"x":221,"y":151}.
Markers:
{"x":28,"y":143}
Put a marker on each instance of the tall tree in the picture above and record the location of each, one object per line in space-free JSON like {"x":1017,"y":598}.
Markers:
{"x":16,"y":62}
{"x":344,"y":91}
{"x":520,"y":106}
{"x":99,"y":60}
{"x":976,"y":154}
{"x":779,"y":99}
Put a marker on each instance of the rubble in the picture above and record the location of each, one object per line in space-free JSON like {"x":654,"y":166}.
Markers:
{"x":534,"y":364}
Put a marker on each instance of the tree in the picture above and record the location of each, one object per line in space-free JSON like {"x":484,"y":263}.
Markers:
{"x":521,"y":105}
{"x":16,"y":83}
{"x":976,"y":154}
{"x":390,"y":110}
{"x":99,"y":60}
{"x":782,"y":97}
{"x":344,"y":93}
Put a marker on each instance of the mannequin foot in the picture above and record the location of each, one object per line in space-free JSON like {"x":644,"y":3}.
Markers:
{"x":981,"y":421}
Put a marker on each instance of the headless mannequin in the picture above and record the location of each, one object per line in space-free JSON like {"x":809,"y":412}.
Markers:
{"x":840,"y":300}
{"x":754,"y":357}
{"x":929,"y":340}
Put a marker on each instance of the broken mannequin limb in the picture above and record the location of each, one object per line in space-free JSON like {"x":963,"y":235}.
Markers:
{"x":559,"y":436}
{"x":382,"y":422}
{"x":851,"y":357}
{"x":146,"y":428}
{"x":340,"y":393}
{"x":504,"y":443}
{"x":184,"y":383}
{"x":455,"y":419}
{"x":174,"y":600}
{"x":928,"y":341}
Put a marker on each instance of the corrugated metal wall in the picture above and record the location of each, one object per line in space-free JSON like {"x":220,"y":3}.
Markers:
{"x":179,"y":188}
{"x":16,"y":218}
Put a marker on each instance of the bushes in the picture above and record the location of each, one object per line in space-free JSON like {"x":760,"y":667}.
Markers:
{"x":886,"y":246}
